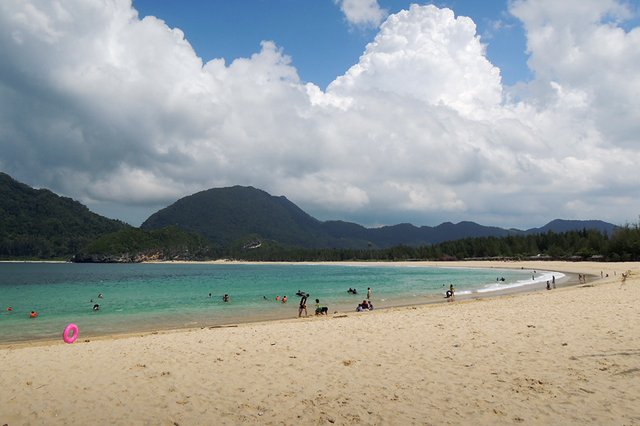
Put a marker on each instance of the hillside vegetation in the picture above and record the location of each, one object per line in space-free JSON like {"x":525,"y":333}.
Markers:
{"x":248,"y":223}
{"x":36,"y":223}
{"x":138,"y":245}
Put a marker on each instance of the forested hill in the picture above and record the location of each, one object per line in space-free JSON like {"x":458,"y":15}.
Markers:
{"x":36,"y":223}
{"x":242,"y":215}
{"x":245,"y":215}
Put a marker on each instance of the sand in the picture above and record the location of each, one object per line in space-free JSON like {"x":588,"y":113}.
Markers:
{"x":565,"y":356}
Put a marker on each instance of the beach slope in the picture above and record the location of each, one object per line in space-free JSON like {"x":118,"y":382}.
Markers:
{"x":565,"y":356}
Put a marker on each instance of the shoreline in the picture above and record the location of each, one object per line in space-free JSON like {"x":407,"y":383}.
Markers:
{"x":567,"y":356}
{"x":570,"y":279}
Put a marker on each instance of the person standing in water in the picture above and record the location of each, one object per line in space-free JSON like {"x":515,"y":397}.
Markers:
{"x":450,"y":295}
{"x":368,"y":292}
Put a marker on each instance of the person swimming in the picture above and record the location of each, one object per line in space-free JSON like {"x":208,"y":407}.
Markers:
{"x":225,"y":298}
{"x":96,"y":307}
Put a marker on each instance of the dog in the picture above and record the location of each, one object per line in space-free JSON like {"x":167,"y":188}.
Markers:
{"x":322,"y":311}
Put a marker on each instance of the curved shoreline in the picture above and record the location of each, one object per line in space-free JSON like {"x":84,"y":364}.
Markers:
{"x":568,"y":356}
{"x":568,"y":268}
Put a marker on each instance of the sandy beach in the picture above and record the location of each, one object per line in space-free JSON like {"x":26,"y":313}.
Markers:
{"x":565,"y":356}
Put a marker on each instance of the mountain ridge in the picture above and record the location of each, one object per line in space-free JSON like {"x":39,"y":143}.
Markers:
{"x":37,"y":223}
{"x":225,"y":216}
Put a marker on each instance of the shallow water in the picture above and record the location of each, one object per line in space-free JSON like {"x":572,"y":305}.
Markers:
{"x":142,"y":297}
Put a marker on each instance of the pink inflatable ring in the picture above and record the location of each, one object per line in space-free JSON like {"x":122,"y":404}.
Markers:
{"x":70,"y":333}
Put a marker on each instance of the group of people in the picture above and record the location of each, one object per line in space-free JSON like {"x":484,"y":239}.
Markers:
{"x":96,"y":307}
{"x":32,"y":314}
{"x":366,"y":305}
{"x":320,"y":310}
{"x":552,"y":283}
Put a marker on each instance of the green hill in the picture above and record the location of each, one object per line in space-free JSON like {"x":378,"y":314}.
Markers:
{"x":36,"y":223}
{"x":246,"y":217}
{"x":239,"y":215}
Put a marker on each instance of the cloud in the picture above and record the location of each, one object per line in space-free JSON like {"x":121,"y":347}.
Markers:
{"x":578,"y":52}
{"x":366,"y":13}
{"x":429,"y":54}
{"x":121,"y":113}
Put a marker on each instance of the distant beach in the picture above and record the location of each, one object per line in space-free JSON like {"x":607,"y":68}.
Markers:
{"x":565,"y":356}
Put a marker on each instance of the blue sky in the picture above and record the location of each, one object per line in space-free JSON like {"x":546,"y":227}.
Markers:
{"x":321,"y":43}
{"x":387,"y":112}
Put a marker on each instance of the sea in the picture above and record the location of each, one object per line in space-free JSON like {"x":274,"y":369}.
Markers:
{"x":147,"y":297}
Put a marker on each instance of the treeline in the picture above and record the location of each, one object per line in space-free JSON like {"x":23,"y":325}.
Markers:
{"x":137,"y":245}
{"x":38,"y":224}
{"x":623,"y":245}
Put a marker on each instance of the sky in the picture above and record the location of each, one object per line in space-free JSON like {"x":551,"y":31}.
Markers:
{"x":508,"y":113}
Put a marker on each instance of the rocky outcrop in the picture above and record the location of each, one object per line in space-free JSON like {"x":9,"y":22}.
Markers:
{"x":131,"y":257}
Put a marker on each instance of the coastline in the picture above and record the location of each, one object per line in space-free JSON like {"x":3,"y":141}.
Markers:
{"x":565,"y":356}
{"x":340,"y":308}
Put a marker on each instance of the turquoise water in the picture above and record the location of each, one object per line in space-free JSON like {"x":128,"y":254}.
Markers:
{"x":142,"y":297}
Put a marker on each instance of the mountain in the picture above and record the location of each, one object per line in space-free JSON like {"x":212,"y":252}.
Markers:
{"x":36,"y":223}
{"x":235,"y":215}
{"x":240,"y":215}
{"x":560,"y":225}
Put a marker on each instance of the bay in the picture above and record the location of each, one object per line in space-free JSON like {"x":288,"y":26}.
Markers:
{"x":145,"y":297}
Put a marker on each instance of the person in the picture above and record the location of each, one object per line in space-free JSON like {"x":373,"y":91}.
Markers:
{"x":277,"y":298}
{"x":96,"y":307}
{"x":100,"y":296}
{"x":450,"y":293}
{"x":321,"y":310}
{"x":33,"y":314}
{"x":209,"y":294}
{"x":284,"y":299}
{"x":368,"y":292}
{"x":548,"y":285}
{"x":303,"y":306}
{"x":225,"y":298}
{"x":9,"y":309}
{"x":365,"y":304}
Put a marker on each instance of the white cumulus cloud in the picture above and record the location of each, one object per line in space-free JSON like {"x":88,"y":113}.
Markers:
{"x":121,"y":113}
